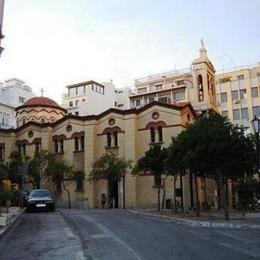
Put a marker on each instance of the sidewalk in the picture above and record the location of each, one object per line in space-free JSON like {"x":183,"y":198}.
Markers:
{"x":8,"y":219}
{"x":210,"y":220}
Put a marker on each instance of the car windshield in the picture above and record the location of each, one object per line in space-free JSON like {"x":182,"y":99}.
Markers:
{"x":40,"y":193}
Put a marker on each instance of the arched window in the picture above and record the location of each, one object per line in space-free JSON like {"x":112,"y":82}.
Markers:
{"x":76,"y":143}
{"x":160,"y":133}
{"x":42,"y":120}
{"x":200,"y":87}
{"x":56,"y":146}
{"x":109,"y":139}
{"x":82,"y":143}
{"x":37,"y":146}
{"x":61,"y":145}
{"x":115,"y":138}
{"x":24,"y":121}
{"x":152,"y":133}
{"x":24,"y":149}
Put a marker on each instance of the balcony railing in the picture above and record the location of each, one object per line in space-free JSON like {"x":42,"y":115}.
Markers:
{"x":171,"y":73}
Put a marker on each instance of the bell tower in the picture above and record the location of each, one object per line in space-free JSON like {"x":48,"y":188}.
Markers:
{"x":203,"y":74}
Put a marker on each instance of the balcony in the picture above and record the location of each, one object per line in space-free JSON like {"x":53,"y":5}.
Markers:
{"x":172,"y":73}
{"x":153,"y":90}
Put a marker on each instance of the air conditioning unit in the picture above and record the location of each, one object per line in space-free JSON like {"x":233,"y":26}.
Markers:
{"x":236,"y":101}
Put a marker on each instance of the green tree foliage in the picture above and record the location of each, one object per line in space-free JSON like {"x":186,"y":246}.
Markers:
{"x":215,"y":148}
{"x":153,"y":162}
{"x":4,"y":173}
{"x":109,"y":166}
{"x":60,"y":170}
{"x":37,"y":167}
{"x":17,"y":162}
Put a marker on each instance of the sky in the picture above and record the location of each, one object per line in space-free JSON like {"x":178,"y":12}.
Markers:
{"x":52,"y":43}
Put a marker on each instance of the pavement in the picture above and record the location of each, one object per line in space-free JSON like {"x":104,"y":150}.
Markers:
{"x":118,"y":234}
{"x":13,"y":216}
{"x":212,"y":220}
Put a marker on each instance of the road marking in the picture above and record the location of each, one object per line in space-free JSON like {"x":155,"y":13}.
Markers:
{"x":98,"y":236}
{"x":239,"y":249}
{"x":117,"y":239}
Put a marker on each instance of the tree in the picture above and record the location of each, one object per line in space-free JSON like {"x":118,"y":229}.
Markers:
{"x":37,"y":167}
{"x":110,"y":167}
{"x":60,"y":170}
{"x":17,"y":162}
{"x":153,"y":162}
{"x":215,"y":148}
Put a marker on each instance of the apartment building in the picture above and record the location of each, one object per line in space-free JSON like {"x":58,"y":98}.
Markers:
{"x":238,"y":94}
{"x":89,"y":98}
{"x":13,"y":93}
{"x":195,"y":84}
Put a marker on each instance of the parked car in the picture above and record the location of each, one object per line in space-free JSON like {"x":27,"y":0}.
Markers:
{"x":40,"y":199}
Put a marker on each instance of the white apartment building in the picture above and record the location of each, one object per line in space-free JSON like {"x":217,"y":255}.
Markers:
{"x":89,"y":98}
{"x":238,"y":94}
{"x":195,"y":84}
{"x":122,"y":98}
{"x":13,"y":93}
{"x":1,"y":23}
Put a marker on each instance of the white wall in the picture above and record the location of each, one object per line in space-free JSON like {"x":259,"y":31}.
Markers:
{"x":122,"y":98}
{"x":10,"y":92}
{"x":95,"y":103}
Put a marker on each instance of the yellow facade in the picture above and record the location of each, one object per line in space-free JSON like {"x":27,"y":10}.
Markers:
{"x":133,"y":140}
{"x":238,"y":94}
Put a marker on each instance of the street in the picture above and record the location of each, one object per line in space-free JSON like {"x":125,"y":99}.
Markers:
{"x":116,"y":234}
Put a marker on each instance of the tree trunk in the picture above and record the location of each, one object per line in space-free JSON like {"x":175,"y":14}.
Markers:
{"x":181,"y":186}
{"x":223,"y":195}
{"x":205,"y":191}
{"x":191,"y":190}
{"x":159,"y":198}
{"x":174,"y":194}
{"x":197,"y":197}
{"x":163,"y":195}
{"x":68,"y":192}
{"x":227,"y":202}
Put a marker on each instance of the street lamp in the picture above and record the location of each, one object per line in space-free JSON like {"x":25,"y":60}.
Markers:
{"x":256,"y":128}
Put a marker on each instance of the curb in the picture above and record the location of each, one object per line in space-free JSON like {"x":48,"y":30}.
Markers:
{"x":12,"y":222}
{"x":197,"y":223}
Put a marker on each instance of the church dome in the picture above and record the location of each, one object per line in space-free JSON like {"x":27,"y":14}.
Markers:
{"x":39,"y":109}
{"x":41,"y":102}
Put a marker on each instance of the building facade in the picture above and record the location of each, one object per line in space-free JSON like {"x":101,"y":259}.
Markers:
{"x":13,"y":93}
{"x":89,"y":98}
{"x":83,"y":139}
{"x":195,"y":85}
{"x":238,"y":95}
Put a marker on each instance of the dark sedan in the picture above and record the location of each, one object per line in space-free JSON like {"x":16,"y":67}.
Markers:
{"x":40,"y":199}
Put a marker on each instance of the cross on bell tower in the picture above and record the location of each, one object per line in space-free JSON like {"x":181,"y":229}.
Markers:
{"x":42,"y":92}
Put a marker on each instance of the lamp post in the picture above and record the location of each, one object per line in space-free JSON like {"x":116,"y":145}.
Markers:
{"x":256,"y":127}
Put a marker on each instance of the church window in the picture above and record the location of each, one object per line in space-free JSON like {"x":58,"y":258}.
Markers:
{"x":109,"y":139}
{"x":82,"y":143}
{"x":152,"y":135}
{"x":200,"y":88}
{"x":115,"y":134}
{"x":160,"y":133}
{"x":76,"y":144}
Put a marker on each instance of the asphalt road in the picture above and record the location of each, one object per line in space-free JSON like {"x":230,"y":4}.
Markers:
{"x":109,"y":234}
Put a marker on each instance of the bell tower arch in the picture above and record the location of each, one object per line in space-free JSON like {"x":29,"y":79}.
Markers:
{"x":203,"y":73}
